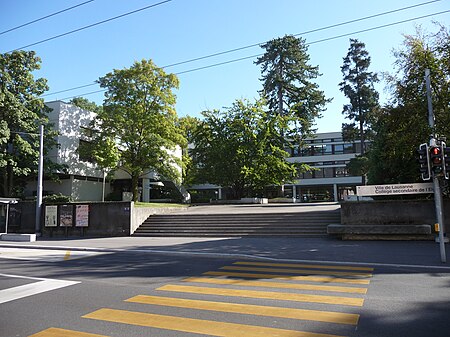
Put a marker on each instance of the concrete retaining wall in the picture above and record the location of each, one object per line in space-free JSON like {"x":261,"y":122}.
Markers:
{"x":104,"y":219}
{"x":414,"y":212}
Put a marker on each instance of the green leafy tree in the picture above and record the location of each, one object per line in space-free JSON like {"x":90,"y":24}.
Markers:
{"x":288,"y":84}
{"x":21,"y":113}
{"x":188,"y":126}
{"x":242,"y":148}
{"x":403,"y":123}
{"x":85,"y":104}
{"x":138,"y":120}
{"x":358,"y":87}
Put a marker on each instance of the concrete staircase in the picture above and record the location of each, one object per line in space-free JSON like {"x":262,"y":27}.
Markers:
{"x":302,"y":224}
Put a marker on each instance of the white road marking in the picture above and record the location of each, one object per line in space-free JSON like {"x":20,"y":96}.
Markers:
{"x":43,"y":285}
{"x":48,"y":255}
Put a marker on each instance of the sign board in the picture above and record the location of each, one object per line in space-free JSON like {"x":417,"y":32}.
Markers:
{"x":51,"y":216}
{"x":66,"y":215}
{"x":396,"y":189}
{"x":82,"y":216}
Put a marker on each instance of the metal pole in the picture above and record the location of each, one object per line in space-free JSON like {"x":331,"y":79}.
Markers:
{"x":7,"y":218}
{"x":103,"y":187}
{"x":440,"y":218}
{"x":39,"y":180}
{"x":437,"y":188}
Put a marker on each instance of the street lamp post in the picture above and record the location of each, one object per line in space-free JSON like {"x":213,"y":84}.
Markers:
{"x":39,"y":180}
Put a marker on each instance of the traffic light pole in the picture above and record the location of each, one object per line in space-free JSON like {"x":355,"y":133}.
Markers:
{"x":436,"y":184}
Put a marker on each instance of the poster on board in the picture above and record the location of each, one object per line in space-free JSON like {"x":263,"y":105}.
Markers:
{"x":51,"y":216}
{"x":66,"y":215}
{"x":81,"y":215}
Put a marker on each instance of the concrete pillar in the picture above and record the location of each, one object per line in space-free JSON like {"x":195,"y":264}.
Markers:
{"x":145,"y":190}
{"x":294,"y":191}
{"x":219,"y":196}
{"x":335,"y":192}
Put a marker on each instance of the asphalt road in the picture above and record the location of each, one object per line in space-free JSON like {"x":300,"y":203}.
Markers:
{"x":324,"y":291}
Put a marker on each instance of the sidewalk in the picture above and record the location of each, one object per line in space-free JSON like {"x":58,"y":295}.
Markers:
{"x":397,"y":253}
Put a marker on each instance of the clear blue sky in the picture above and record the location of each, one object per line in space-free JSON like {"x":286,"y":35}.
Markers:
{"x":184,"y":29}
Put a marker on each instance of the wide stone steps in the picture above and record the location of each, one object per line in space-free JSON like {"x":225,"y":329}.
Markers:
{"x":303,"y":224}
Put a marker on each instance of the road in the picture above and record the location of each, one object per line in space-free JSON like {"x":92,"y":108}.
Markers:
{"x":79,"y":293}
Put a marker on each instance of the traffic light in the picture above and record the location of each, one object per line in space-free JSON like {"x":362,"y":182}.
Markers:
{"x":446,"y":152}
{"x":436,"y":156}
{"x":424,"y":160}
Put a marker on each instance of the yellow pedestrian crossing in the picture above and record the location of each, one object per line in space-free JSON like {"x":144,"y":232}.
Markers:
{"x":297,"y":265}
{"x":268,"y":295}
{"x":248,"y":309}
{"x":192,"y":325}
{"x":278,"y":285}
{"x":56,"y":332}
{"x":323,"y":279}
{"x":319,"y":284}
{"x":297,"y":271}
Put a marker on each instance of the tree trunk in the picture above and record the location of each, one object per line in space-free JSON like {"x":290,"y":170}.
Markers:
{"x":134,"y":186}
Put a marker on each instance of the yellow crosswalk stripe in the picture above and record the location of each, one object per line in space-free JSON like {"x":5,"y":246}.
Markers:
{"x":287,"y":277}
{"x":297,"y":271}
{"x":248,"y":309}
{"x":265,"y":295}
{"x":191,"y":325}
{"x":297,"y":265}
{"x":56,"y":332}
{"x":280,"y":285}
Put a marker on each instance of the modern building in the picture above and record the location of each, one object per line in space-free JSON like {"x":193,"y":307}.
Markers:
{"x":327,"y":154}
{"x":82,"y":180}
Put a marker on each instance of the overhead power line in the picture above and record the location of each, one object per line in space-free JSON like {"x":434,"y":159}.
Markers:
{"x":91,"y":25}
{"x":303,"y":33}
{"x":257,"y":55}
{"x":45,"y":17}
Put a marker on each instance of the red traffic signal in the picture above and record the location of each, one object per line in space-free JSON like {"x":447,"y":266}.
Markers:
{"x":436,"y":157}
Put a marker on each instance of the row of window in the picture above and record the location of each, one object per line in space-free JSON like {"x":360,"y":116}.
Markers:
{"x":327,"y":172}
{"x":325,"y":149}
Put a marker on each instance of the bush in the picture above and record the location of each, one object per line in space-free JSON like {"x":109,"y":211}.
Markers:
{"x":57,"y":198}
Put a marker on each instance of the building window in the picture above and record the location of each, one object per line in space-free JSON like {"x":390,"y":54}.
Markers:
{"x":342,"y":172}
{"x":339,"y":148}
{"x":85,"y":151}
{"x":328,"y":172}
{"x":348,"y":148}
{"x":318,"y":173}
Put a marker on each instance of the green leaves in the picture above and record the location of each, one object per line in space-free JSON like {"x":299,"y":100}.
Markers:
{"x":21,"y":112}
{"x":241,"y":148}
{"x":138,"y":122}
{"x":358,"y":87}
{"x":288,"y":83}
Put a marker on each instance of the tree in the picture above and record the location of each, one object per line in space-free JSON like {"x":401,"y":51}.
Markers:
{"x":188,"y":126}
{"x":138,"y":115}
{"x":85,"y":104}
{"x":242,"y":148}
{"x":358,"y":87}
{"x":287,"y":84}
{"x":21,"y":113}
{"x":403,"y":124}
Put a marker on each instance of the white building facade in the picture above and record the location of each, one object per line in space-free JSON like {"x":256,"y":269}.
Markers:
{"x":82,"y":180}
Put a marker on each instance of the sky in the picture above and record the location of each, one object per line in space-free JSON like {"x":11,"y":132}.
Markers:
{"x":182,"y":30}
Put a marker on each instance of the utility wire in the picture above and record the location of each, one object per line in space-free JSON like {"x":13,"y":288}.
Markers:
{"x":254,"y":56}
{"x":257,"y":55}
{"x":304,"y":33}
{"x":91,"y":25}
{"x":45,"y":17}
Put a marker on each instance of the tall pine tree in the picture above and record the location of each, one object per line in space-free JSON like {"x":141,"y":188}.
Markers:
{"x":358,"y":86}
{"x":288,"y":83}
